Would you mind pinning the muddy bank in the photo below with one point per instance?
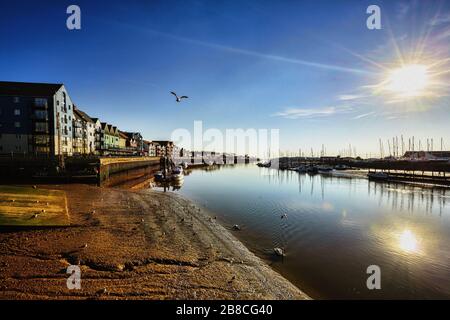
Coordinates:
(134, 245)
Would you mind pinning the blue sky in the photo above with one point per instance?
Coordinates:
(305, 67)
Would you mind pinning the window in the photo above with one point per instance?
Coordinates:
(40, 102)
(64, 102)
(41, 127)
(17, 112)
(40, 114)
(42, 149)
(41, 139)
(18, 136)
(17, 124)
(16, 100)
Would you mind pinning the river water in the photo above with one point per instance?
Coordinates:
(333, 228)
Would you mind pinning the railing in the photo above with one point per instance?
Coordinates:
(39, 105)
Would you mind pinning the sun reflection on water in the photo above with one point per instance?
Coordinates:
(408, 241)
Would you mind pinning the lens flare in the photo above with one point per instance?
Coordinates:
(408, 81)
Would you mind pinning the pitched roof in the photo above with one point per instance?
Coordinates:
(123, 135)
(29, 89)
(105, 126)
(82, 115)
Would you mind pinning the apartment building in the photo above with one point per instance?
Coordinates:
(35, 118)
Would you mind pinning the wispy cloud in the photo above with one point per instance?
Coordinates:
(440, 19)
(402, 9)
(347, 97)
(443, 34)
(240, 51)
(308, 113)
(364, 115)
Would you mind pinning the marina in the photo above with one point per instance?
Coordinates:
(333, 227)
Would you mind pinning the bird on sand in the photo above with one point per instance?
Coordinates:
(279, 252)
(178, 99)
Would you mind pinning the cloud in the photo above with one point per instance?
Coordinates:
(402, 9)
(308, 113)
(443, 35)
(440, 19)
(347, 97)
(364, 115)
(245, 52)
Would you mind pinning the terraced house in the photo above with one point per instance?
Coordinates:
(35, 118)
(109, 138)
(83, 133)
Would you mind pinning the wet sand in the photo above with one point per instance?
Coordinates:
(133, 244)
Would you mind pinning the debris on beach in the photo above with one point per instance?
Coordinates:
(102, 291)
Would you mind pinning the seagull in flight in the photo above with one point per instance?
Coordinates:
(178, 98)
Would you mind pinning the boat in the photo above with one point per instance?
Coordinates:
(378, 176)
(184, 165)
(301, 169)
(312, 169)
(264, 164)
(324, 169)
(159, 176)
(177, 173)
(341, 167)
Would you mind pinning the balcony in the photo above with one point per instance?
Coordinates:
(40, 130)
(40, 104)
(39, 118)
(41, 141)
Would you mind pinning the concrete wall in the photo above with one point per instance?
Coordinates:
(118, 171)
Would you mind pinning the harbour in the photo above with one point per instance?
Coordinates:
(332, 227)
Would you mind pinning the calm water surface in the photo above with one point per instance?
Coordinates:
(335, 228)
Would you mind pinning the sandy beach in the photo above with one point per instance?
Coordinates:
(134, 244)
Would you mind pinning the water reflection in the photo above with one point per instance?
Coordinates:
(335, 226)
(408, 241)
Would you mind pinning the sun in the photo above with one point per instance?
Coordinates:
(408, 81)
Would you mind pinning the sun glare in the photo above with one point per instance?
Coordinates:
(408, 81)
(408, 241)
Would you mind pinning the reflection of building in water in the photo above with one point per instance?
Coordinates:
(403, 197)
(398, 196)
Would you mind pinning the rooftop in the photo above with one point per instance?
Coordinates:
(29, 89)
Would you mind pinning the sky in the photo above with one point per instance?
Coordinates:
(311, 69)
